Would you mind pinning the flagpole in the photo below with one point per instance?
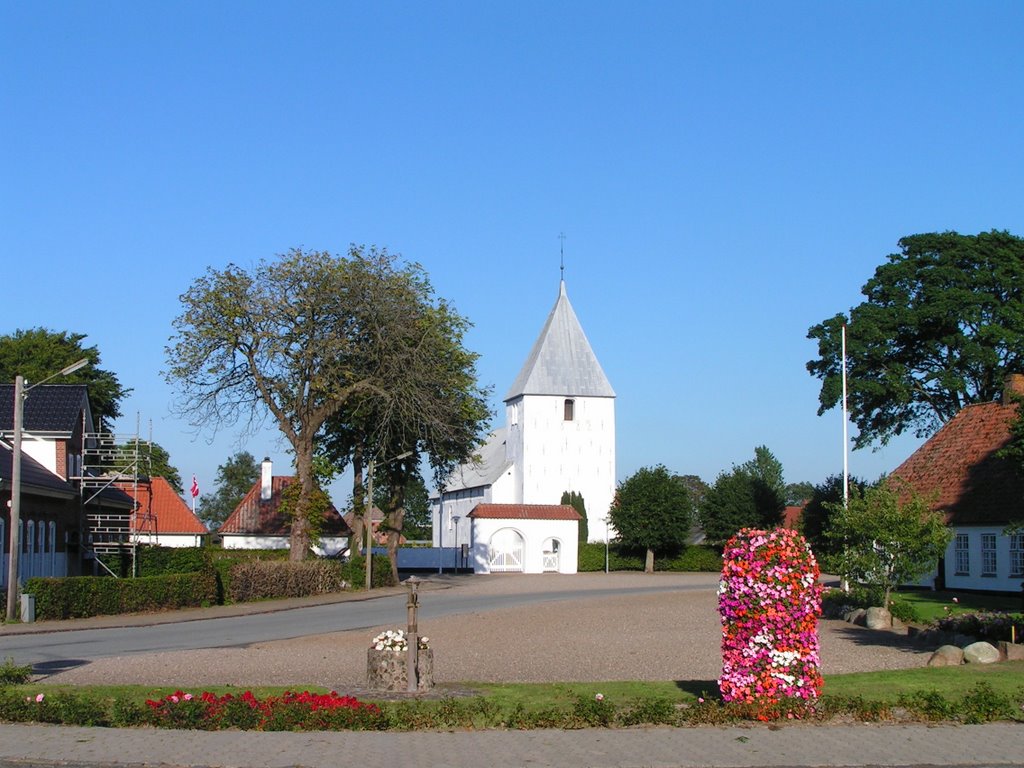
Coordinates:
(846, 439)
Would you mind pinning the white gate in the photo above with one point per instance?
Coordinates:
(551, 555)
(505, 552)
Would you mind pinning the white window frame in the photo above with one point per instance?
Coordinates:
(989, 561)
(962, 554)
(1016, 555)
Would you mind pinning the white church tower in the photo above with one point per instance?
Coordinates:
(503, 507)
(560, 416)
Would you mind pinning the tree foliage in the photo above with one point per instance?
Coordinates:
(652, 511)
(156, 462)
(575, 500)
(885, 542)
(752, 495)
(309, 336)
(235, 477)
(798, 493)
(818, 512)
(941, 327)
(38, 353)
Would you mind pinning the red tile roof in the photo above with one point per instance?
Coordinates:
(524, 512)
(792, 515)
(958, 465)
(160, 509)
(264, 518)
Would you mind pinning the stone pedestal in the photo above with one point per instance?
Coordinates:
(386, 670)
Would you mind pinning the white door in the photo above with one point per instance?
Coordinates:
(505, 552)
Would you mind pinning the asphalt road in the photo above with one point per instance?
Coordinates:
(58, 649)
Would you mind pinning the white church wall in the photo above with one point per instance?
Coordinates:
(577, 455)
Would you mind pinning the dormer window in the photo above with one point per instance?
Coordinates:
(570, 409)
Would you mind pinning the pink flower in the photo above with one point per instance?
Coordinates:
(39, 698)
(599, 697)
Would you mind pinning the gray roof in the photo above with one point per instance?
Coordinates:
(35, 478)
(50, 408)
(491, 463)
(561, 361)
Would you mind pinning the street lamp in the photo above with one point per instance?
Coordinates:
(20, 393)
(369, 513)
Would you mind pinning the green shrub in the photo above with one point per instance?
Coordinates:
(353, 571)
(160, 561)
(11, 674)
(81, 596)
(693, 558)
(263, 579)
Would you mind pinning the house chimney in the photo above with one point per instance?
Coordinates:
(266, 479)
(1013, 385)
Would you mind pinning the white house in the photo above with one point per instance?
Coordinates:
(559, 436)
(979, 493)
(258, 522)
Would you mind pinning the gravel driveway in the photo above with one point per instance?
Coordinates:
(670, 635)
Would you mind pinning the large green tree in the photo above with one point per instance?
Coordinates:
(235, 477)
(884, 541)
(752, 495)
(941, 327)
(38, 353)
(433, 411)
(300, 338)
(652, 511)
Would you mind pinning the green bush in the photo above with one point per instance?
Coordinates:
(263, 579)
(160, 561)
(354, 572)
(692, 558)
(80, 596)
(12, 674)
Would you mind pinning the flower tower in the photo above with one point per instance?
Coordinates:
(770, 601)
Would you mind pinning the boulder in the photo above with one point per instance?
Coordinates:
(947, 656)
(878, 618)
(856, 616)
(1011, 651)
(981, 653)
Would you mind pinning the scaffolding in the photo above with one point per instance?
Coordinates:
(122, 462)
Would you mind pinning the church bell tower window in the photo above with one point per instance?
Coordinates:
(570, 407)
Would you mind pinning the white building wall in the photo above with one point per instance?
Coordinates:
(1002, 581)
(43, 451)
(329, 545)
(536, 534)
(556, 455)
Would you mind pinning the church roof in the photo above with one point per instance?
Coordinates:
(561, 361)
(490, 464)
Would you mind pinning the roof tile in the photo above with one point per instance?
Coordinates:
(524, 512)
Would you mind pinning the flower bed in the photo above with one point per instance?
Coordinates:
(770, 601)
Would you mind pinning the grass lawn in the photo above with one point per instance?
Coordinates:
(951, 682)
(935, 605)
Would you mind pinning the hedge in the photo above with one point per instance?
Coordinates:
(80, 596)
(694, 558)
(264, 579)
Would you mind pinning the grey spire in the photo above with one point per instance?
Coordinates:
(561, 361)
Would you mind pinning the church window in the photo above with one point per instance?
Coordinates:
(570, 409)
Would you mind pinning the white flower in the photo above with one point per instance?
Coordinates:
(599, 697)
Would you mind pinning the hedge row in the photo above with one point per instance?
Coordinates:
(694, 558)
(80, 596)
(264, 579)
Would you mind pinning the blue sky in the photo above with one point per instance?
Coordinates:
(726, 175)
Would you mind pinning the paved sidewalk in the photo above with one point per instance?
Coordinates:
(791, 745)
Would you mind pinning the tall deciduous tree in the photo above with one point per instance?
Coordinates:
(652, 511)
(38, 353)
(234, 479)
(884, 541)
(752, 495)
(941, 327)
(301, 338)
(433, 409)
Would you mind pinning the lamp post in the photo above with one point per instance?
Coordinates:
(20, 393)
(369, 513)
